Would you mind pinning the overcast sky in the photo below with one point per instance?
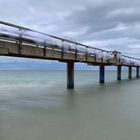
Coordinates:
(107, 24)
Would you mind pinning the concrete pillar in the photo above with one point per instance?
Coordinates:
(118, 72)
(102, 74)
(70, 74)
(137, 72)
(130, 72)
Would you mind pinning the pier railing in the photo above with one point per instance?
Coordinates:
(77, 51)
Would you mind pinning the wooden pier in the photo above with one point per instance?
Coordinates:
(17, 41)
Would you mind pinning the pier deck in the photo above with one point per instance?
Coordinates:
(18, 41)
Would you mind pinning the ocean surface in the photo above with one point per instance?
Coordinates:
(35, 105)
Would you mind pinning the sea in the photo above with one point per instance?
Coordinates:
(36, 105)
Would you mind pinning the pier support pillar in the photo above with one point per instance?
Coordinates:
(102, 74)
(137, 72)
(130, 72)
(70, 74)
(119, 72)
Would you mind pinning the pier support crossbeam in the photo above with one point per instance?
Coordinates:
(70, 74)
(130, 72)
(102, 74)
(137, 72)
(119, 72)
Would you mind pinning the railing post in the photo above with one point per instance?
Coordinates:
(20, 42)
(119, 72)
(102, 74)
(130, 72)
(137, 72)
(70, 74)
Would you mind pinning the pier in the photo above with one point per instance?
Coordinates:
(17, 41)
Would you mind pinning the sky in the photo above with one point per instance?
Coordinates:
(106, 24)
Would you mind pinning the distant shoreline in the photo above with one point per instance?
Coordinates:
(53, 70)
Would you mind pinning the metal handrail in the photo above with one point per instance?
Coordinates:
(52, 36)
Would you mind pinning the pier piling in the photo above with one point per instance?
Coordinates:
(102, 74)
(137, 72)
(70, 74)
(118, 72)
(130, 72)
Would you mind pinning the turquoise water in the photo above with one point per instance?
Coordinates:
(35, 105)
